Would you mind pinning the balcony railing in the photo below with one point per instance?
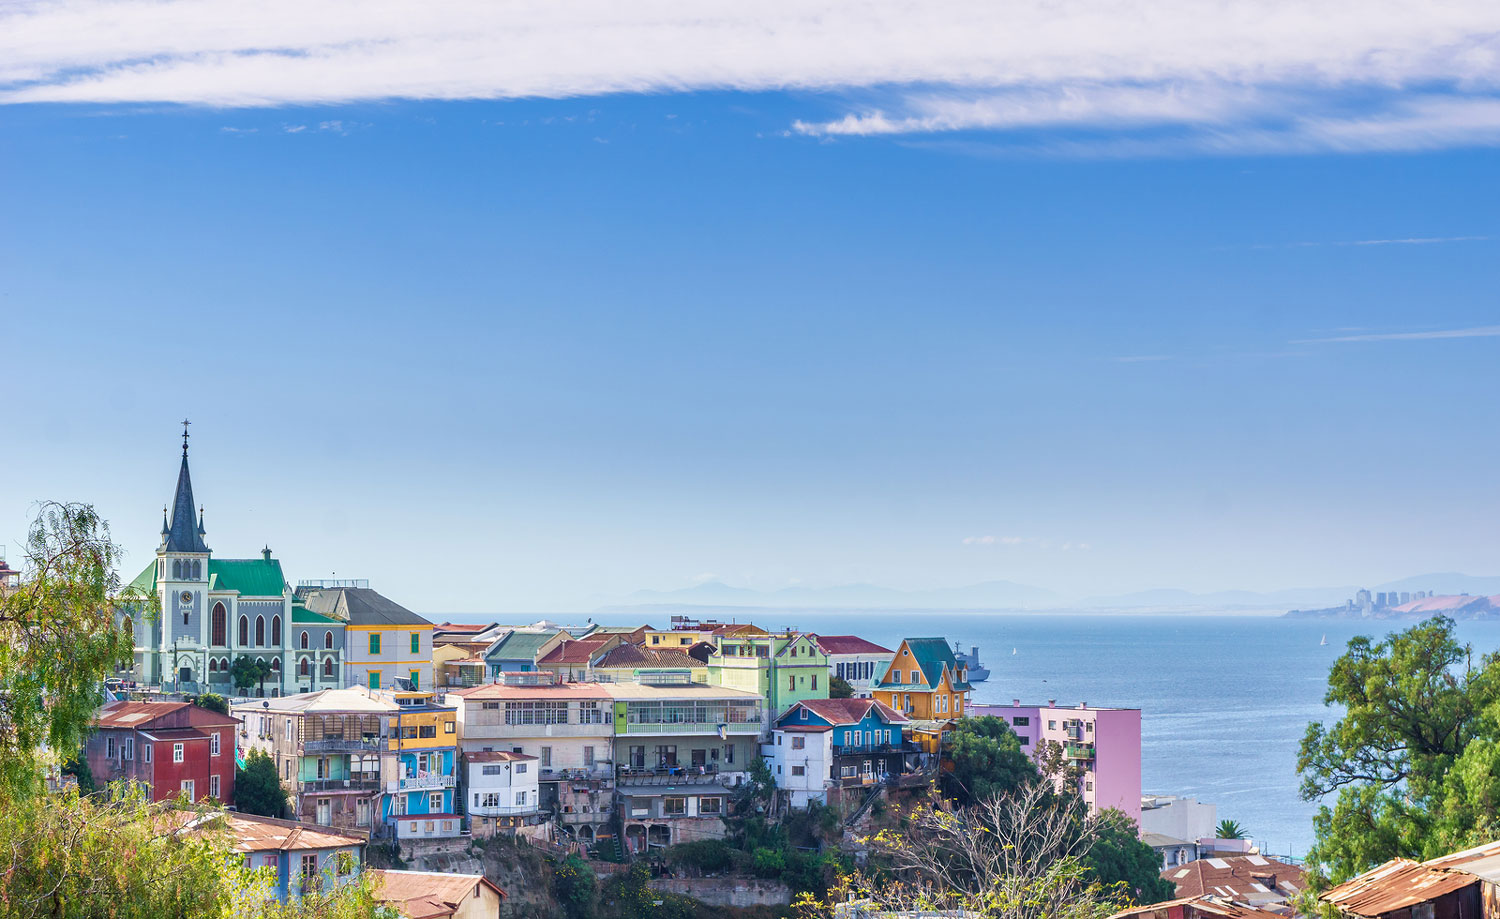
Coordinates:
(420, 781)
(603, 770)
(504, 810)
(342, 745)
(351, 784)
(691, 727)
(1079, 751)
(904, 746)
(670, 775)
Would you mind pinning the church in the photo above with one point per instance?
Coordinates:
(213, 611)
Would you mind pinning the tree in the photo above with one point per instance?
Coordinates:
(1119, 856)
(59, 635)
(213, 702)
(840, 688)
(249, 671)
(1411, 762)
(257, 787)
(1229, 829)
(987, 761)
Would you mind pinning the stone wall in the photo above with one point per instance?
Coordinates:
(739, 892)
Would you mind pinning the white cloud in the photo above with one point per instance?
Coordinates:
(1483, 331)
(979, 540)
(1226, 76)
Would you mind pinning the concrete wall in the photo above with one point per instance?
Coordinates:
(738, 892)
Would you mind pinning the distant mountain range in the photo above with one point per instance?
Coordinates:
(1009, 595)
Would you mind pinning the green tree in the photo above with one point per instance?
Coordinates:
(213, 702)
(257, 787)
(987, 760)
(1229, 829)
(60, 633)
(1407, 762)
(249, 671)
(574, 887)
(1117, 856)
(840, 688)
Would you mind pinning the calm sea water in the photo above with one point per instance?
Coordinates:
(1224, 699)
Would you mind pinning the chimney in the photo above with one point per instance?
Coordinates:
(1015, 703)
(266, 553)
(1051, 703)
(1082, 706)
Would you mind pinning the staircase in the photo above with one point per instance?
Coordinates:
(864, 806)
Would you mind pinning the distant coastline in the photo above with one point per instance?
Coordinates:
(1457, 606)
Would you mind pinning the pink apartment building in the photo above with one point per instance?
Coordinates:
(1105, 742)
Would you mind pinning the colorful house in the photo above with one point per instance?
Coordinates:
(298, 857)
(924, 681)
(822, 746)
(516, 650)
(626, 663)
(172, 748)
(383, 640)
(784, 669)
(423, 735)
(437, 895)
(857, 661)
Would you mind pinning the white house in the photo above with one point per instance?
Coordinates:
(500, 790)
(856, 660)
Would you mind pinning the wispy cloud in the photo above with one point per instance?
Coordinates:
(1403, 241)
(1092, 77)
(1483, 331)
(1142, 358)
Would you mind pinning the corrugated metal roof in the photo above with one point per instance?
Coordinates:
(1211, 905)
(1394, 885)
(1480, 861)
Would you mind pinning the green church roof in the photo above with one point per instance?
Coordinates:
(307, 617)
(252, 577)
(145, 582)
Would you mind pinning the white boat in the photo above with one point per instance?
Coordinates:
(978, 673)
(1324, 641)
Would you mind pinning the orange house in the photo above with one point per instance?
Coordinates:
(925, 681)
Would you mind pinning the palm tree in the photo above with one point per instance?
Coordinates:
(1229, 829)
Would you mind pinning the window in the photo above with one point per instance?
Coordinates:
(276, 631)
(799, 742)
(361, 812)
(374, 642)
(145, 753)
(799, 770)
(260, 630)
(846, 771)
(304, 641)
(213, 745)
(673, 807)
(414, 679)
(1020, 721)
(520, 768)
(176, 752)
(1091, 727)
(895, 676)
(343, 864)
(213, 786)
(914, 678)
(588, 756)
(302, 667)
(427, 730)
(109, 747)
(244, 631)
(449, 726)
(220, 625)
(328, 666)
(416, 643)
(656, 639)
(489, 799)
(189, 788)
(1052, 725)
(710, 806)
(435, 803)
(590, 713)
(1025, 741)
(374, 679)
(546, 757)
(815, 681)
(791, 681)
(328, 640)
(1088, 786)
(521, 798)
(309, 872)
(729, 753)
(291, 731)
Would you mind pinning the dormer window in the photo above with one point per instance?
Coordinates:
(804, 714)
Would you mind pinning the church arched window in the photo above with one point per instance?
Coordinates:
(176, 569)
(302, 668)
(197, 571)
(213, 665)
(244, 631)
(276, 664)
(303, 642)
(328, 639)
(328, 666)
(276, 631)
(220, 634)
(260, 631)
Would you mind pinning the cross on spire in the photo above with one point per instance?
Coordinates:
(185, 424)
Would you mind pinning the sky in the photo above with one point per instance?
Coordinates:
(525, 306)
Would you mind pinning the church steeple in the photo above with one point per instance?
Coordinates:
(184, 534)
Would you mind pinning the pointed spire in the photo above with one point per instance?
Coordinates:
(164, 529)
(182, 536)
(201, 531)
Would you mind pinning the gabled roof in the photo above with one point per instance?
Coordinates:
(1238, 877)
(519, 644)
(158, 715)
(792, 640)
(575, 651)
(848, 644)
(360, 606)
(427, 894)
(934, 657)
(323, 700)
(252, 833)
(636, 656)
(1397, 884)
(252, 577)
(145, 582)
(305, 616)
(1197, 906)
(846, 711)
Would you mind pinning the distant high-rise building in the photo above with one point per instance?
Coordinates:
(1405, 597)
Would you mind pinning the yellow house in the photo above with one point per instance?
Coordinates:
(383, 640)
(925, 681)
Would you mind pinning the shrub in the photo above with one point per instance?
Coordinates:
(705, 855)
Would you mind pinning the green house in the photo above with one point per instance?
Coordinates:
(784, 669)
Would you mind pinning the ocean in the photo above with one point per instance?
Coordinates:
(1224, 699)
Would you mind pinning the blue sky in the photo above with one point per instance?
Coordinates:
(534, 354)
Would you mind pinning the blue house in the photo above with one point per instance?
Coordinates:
(821, 746)
(297, 857)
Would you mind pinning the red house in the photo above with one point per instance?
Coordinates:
(172, 748)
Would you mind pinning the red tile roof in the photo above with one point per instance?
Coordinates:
(849, 644)
(427, 894)
(635, 656)
(461, 627)
(575, 651)
(850, 711)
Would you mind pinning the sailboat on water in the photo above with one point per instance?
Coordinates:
(1324, 641)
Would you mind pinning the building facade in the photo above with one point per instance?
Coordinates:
(856, 661)
(819, 748)
(172, 748)
(784, 669)
(924, 681)
(499, 790)
(383, 640)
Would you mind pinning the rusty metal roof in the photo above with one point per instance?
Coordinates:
(1397, 884)
(1480, 861)
(1213, 906)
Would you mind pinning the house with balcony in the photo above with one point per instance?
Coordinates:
(1101, 747)
(500, 791)
(331, 750)
(172, 748)
(572, 658)
(820, 748)
(784, 669)
(420, 792)
(567, 728)
(680, 750)
(383, 640)
(517, 649)
(856, 661)
(626, 663)
(924, 681)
